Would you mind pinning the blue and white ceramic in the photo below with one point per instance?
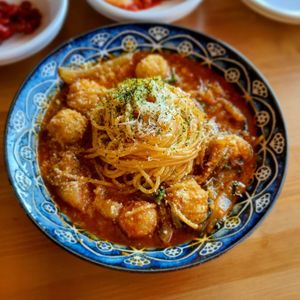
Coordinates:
(27, 110)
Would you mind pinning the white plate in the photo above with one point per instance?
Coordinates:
(287, 11)
(21, 46)
(166, 12)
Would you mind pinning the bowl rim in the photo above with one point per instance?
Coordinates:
(40, 40)
(265, 9)
(176, 268)
(120, 13)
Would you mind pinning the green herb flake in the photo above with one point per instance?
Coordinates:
(173, 78)
(159, 195)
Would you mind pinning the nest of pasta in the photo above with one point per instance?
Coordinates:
(147, 132)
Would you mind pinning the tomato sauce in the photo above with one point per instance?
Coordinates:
(190, 73)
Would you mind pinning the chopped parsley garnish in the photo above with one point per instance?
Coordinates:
(227, 166)
(173, 78)
(159, 195)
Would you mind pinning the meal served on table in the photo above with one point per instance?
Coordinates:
(134, 4)
(147, 149)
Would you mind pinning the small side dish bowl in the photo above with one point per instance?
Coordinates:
(21, 46)
(166, 12)
(30, 104)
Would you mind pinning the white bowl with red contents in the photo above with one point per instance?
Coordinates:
(167, 11)
(20, 46)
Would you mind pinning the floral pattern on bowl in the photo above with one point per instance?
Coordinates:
(23, 126)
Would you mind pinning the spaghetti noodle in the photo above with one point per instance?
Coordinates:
(148, 131)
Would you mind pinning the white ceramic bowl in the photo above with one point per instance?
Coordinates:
(21, 46)
(166, 12)
(287, 11)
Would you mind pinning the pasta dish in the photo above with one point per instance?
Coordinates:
(146, 149)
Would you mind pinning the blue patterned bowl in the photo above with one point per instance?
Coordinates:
(23, 125)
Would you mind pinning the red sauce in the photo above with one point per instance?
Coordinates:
(190, 72)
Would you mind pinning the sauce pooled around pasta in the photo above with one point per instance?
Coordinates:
(147, 150)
